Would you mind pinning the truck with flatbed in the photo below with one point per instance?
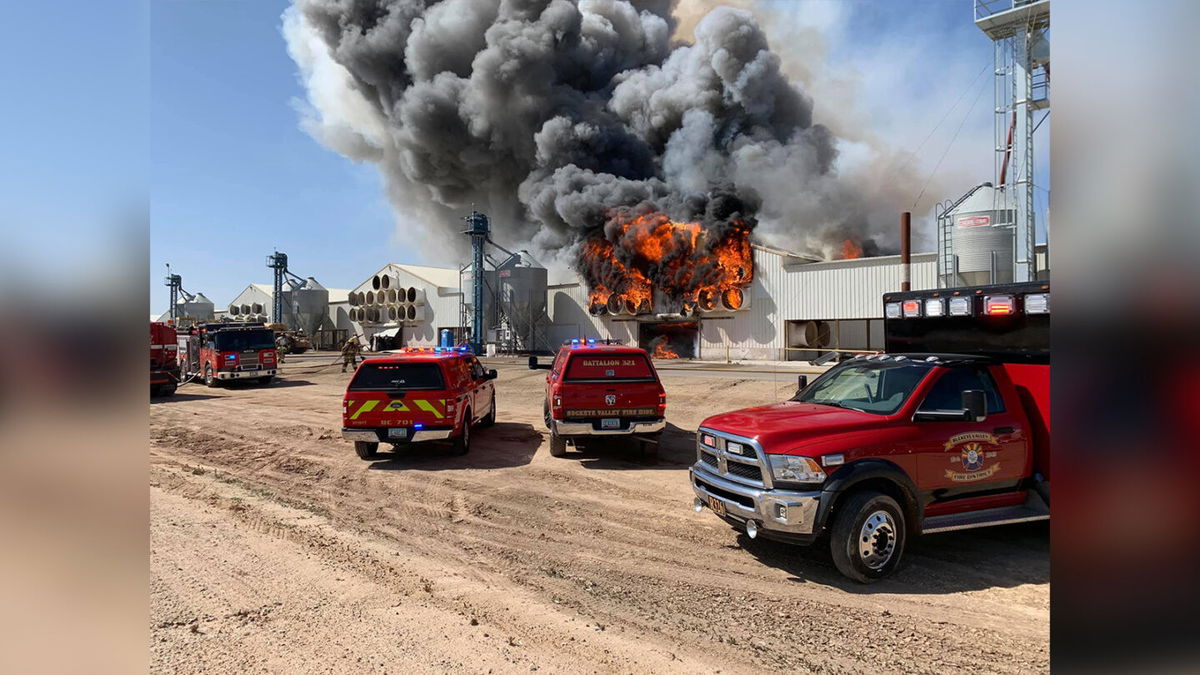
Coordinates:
(948, 429)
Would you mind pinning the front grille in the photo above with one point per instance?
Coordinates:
(745, 471)
(729, 465)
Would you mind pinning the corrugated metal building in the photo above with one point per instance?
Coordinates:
(795, 309)
(430, 303)
(794, 305)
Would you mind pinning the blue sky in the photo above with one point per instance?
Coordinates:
(232, 176)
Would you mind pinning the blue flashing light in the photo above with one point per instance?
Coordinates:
(230, 357)
(418, 426)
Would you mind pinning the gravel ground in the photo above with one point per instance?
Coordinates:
(274, 548)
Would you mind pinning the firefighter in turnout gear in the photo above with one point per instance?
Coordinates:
(350, 352)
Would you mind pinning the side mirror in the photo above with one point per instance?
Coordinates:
(974, 402)
(491, 374)
(801, 383)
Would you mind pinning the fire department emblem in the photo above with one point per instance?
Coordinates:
(972, 457)
(610, 399)
(977, 448)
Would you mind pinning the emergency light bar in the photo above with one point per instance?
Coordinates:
(892, 310)
(935, 307)
(912, 308)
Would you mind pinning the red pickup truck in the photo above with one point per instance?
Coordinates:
(946, 431)
(602, 389)
(418, 395)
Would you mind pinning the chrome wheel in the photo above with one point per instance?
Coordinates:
(877, 540)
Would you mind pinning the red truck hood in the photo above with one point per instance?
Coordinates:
(781, 425)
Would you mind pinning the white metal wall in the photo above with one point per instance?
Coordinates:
(786, 289)
(440, 310)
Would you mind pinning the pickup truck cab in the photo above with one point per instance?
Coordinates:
(418, 395)
(601, 389)
(884, 447)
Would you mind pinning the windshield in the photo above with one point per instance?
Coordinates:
(242, 340)
(877, 387)
(609, 368)
(397, 376)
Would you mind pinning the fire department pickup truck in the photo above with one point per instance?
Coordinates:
(416, 395)
(946, 431)
(602, 389)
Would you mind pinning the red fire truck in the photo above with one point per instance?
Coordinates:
(220, 352)
(947, 430)
(164, 364)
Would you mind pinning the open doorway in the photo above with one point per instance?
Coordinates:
(670, 340)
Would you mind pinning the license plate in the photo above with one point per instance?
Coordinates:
(398, 432)
(716, 505)
(610, 423)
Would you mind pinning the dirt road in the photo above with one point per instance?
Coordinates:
(275, 548)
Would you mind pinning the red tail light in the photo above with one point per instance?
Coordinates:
(556, 410)
(998, 305)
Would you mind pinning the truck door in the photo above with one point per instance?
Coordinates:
(482, 398)
(958, 458)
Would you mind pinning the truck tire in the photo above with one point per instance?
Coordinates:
(167, 389)
(558, 445)
(868, 536)
(366, 449)
(209, 379)
(461, 444)
(490, 418)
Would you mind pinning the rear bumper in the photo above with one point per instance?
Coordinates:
(798, 524)
(243, 374)
(380, 435)
(563, 428)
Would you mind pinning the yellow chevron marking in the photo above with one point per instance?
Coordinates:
(428, 407)
(366, 407)
(395, 405)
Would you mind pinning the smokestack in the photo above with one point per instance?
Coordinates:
(906, 251)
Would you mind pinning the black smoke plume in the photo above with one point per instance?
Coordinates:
(555, 115)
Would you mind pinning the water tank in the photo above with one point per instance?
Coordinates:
(982, 232)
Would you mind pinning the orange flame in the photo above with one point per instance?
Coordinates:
(681, 260)
(662, 351)
(851, 249)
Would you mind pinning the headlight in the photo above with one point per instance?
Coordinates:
(796, 469)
